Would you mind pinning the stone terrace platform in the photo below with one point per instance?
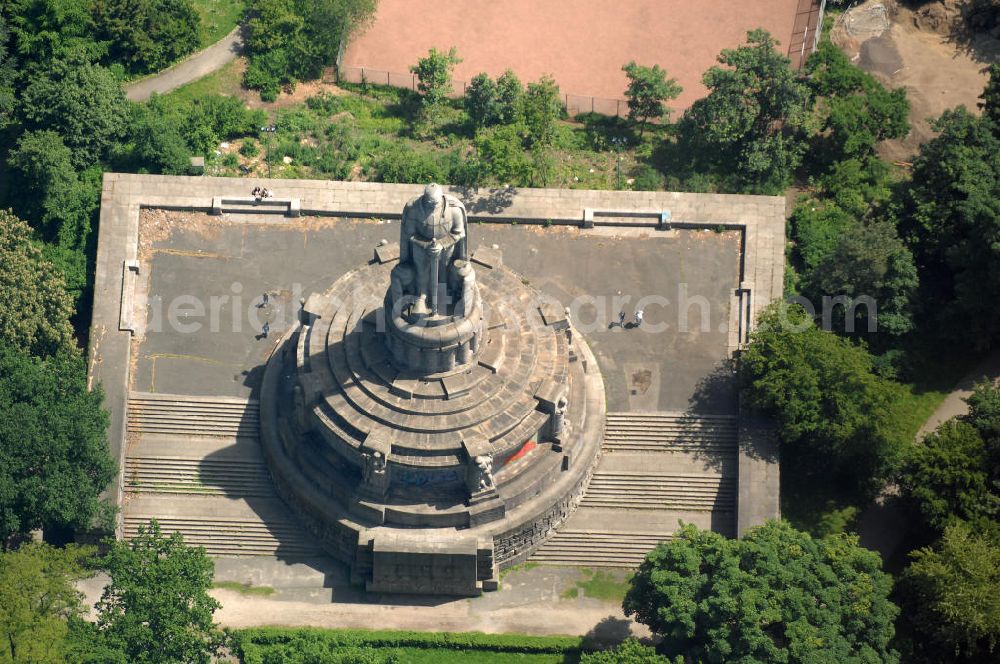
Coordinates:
(183, 405)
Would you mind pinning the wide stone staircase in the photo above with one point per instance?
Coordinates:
(195, 465)
(656, 469)
(196, 416)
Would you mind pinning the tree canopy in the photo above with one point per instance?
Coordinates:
(821, 389)
(869, 262)
(752, 123)
(434, 76)
(54, 460)
(775, 596)
(147, 35)
(37, 584)
(648, 90)
(953, 595)
(156, 608)
(82, 102)
(950, 216)
(947, 476)
(542, 108)
(34, 306)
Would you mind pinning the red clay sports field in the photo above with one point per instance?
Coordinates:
(581, 43)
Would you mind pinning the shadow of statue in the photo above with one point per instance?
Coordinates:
(496, 201)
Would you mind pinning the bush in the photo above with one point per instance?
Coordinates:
(257, 645)
(501, 155)
(648, 178)
(215, 118)
(249, 148)
(400, 163)
(481, 100)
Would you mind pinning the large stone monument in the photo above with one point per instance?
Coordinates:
(432, 418)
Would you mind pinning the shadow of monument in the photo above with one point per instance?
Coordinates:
(496, 201)
(716, 393)
(226, 471)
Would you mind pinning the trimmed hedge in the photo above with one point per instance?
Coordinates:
(251, 645)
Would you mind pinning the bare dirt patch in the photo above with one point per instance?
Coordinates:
(298, 95)
(940, 66)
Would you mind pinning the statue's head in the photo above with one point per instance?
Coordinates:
(432, 194)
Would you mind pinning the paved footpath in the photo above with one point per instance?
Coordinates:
(954, 404)
(200, 64)
(312, 593)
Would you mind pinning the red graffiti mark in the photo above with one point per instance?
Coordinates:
(521, 453)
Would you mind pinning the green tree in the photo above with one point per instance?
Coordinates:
(156, 607)
(776, 595)
(60, 206)
(858, 122)
(34, 306)
(37, 584)
(501, 155)
(542, 106)
(822, 391)
(868, 264)
(214, 118)
(327, 26)
(946, 476)
(83, 103)
(752, 123)
(147, 35)
(950, 216)
(45, 31)
(831, 74)
(54, 459)
(157, 138)
(952, 595)
(816, 227)
(510, 94)
(296, 39)
(984, 414)
(648, 90)
(991, 96)
(481, 100)
(434, 76)
(8, 73)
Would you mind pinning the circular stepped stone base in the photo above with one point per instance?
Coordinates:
(332, 395)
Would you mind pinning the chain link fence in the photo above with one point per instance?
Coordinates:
(574, 104)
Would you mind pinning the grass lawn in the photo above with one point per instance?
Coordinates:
(920, 397)
(218, 17)
(245, 588)
(609, 585)
(226, 81)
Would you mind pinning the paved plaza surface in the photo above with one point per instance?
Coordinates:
(177, 343)
(583, 45)
(205, 264)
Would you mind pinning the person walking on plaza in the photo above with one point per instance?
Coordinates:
(621, 319)
(265, 329)
(638, 317)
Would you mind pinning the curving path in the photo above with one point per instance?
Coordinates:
(954, 404)
(200, 64)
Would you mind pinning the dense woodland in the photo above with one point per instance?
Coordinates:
(847, 393)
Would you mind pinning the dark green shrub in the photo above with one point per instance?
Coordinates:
(648, 178)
